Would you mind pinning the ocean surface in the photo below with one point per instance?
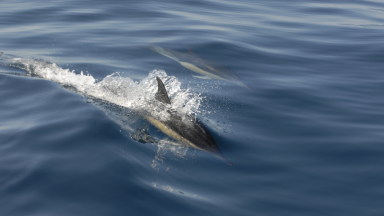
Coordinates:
(307, 138)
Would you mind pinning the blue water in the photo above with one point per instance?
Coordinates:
(308, 139)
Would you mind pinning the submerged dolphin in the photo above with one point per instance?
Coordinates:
(184, 128)
(194, 63)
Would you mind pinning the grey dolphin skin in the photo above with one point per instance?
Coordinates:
(184, 128)
(209, 69)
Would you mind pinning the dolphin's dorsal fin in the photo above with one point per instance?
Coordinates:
(191, 52)
(162, 95)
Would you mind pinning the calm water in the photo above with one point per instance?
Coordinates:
(306, 140)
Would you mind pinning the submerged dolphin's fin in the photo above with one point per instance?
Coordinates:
(203, 77)
(142, 136)
(162, 95)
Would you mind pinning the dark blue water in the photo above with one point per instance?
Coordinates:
(308, 139)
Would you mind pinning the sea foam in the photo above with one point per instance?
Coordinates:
(116, 89)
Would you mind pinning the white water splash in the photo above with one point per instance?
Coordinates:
(122, 91)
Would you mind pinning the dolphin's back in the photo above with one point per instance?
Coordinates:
(185, 128)
(165, 52)
(193, 131)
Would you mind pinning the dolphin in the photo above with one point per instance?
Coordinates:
(184, 128)
(209, 69)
